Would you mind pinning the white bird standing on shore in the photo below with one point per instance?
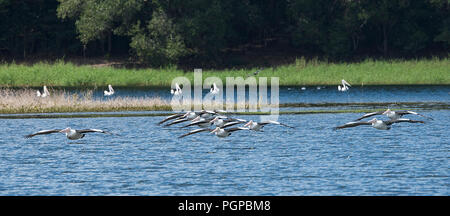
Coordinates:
(45, 93)
(71, 134)
(214, 90)
(176, 91)
(345, 86)
(110, 92)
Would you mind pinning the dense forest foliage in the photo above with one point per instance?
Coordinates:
(161, 32)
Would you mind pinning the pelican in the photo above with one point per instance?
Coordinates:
(224, 121)
(378, 124)
(257, 126)
(255, 73)
(44, 93)
(393, 115)
(71, 134)
(220, 132)
(201, 122)
(190, 116)
(214, 89)
(109, 92)
(345, 86)
(303, 88)
(176, 91)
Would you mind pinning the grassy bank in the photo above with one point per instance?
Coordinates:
(302, 72)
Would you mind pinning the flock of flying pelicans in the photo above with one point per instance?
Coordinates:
(216, 123)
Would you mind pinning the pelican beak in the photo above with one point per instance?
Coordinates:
(248, 123)
(215, 119)
(196, 118)
(213, 131)
(386, 112)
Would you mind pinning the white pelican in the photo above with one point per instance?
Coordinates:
(190, 116)
(220, 132)
(176, 91)
(303, 88)
(378, 124)
(44, 93)
(109, 92)
(345, 86)
(214, 90)
(393, 115)
(71, 134)
(201, 122)
(224, 121)
(257, 126)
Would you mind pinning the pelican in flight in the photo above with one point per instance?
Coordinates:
(71, 134)
(345, 86)
(214, 90)
(44, 93)
(176, 91)
(257, 126)
(109, 92)
(378, 124)
(224, 121)
(393, 115)
(190, 116)
(220, 132)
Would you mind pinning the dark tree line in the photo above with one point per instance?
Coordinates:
(161, 32)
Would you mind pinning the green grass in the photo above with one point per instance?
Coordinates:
(369, 72)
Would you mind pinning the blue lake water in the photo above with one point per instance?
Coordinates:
(314, 94)
(143, 158)
(146, 159)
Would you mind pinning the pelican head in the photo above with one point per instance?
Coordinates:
(249, 123)
(373, 120)
(214, 119)
(67, 130)
(387, 111)
(215, 130)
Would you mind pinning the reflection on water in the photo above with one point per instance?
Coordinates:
(146, 159)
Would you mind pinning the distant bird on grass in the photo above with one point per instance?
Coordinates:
(44, 94)
(109, 92)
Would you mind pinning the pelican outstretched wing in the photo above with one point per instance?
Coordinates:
(370, 114)
(352, 124)
(389, 122)
(195, 131)
(42, 132)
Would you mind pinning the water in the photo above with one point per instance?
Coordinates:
(326, 94)
(146, 159)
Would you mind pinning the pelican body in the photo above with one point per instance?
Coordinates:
(109, 92)
(71, 134)
(257, 126)
(177, 90)
(345, 86)
(44, 93)
(377, 124)
(393, 115)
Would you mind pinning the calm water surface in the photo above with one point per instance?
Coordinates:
(146, 159)
(314, 94)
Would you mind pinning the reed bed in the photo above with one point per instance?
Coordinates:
(26, 101)
(60, 101)
(302, 72)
